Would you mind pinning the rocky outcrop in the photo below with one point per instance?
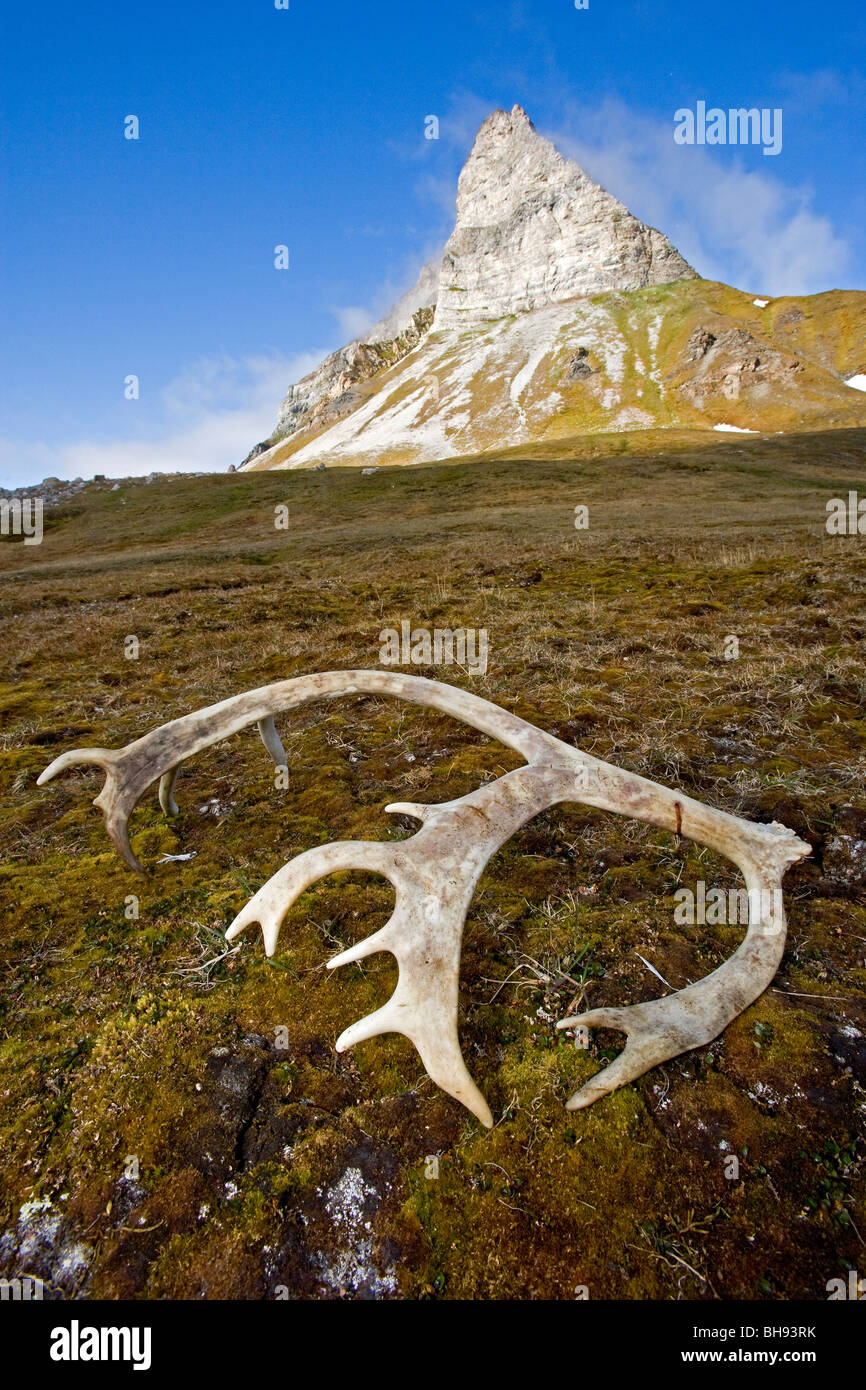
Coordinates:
(721, 360)
(558, 314)
(533, 229)
(331, 391)
(56, 492)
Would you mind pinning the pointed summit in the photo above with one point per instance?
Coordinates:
(534, 229)
(529, 344)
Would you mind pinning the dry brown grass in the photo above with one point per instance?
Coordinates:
(110, 1029)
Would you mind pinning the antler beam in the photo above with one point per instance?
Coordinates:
(436, 871)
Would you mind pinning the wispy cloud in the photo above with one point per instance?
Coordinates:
(210, 416)
(745, 227)
(354, 321)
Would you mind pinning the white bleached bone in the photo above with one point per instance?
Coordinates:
(270, 738)
(436, 870)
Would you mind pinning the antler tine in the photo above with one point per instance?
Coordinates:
(77, 757)
(694, 1016)
(432, 1031)
(110, 801)
(157, 756)
(270, 738)
(166, 792)
(434, 873)
(272, 902)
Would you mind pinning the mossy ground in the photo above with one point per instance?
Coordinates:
(145, 1098)
(653, 383)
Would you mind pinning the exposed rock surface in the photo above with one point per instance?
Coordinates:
(725, 360)
(557, 313)
(533, 229)
(326, 393)
(329, 392)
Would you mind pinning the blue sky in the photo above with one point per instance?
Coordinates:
(305, 127)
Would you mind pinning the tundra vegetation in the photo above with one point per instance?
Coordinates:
(175, 1121)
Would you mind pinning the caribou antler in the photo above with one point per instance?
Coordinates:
(435, 872)
(130, 771)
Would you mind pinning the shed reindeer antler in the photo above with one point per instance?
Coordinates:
(436, 870)
(129, 771)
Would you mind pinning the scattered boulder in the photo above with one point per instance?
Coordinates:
(57, 492)
(578, 367)
(844, 862)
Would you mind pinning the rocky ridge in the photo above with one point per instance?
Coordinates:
(558, 313)
(533, 229)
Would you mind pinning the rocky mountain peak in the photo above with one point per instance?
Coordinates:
(534, 229)
(533, 234)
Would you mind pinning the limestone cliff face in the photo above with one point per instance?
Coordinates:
(553, 313)
(328, 392)
(331, 391)
(533, 229)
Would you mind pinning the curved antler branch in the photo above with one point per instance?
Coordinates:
(691, 1017)
(435, 872)
(158, 755)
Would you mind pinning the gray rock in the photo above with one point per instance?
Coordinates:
(331, 391)
(578, 368)
(844, 861)
(55, 492)
(533, 229)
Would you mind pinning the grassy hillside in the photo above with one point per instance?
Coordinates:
(158, 1142)
(684, 356)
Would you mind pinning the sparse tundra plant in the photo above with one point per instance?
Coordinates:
(466, 647)
(436, 871)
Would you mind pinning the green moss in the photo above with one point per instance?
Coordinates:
(124, 1036)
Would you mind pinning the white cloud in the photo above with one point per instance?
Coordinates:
(354, 321)
(745, 227)
(210, 415)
